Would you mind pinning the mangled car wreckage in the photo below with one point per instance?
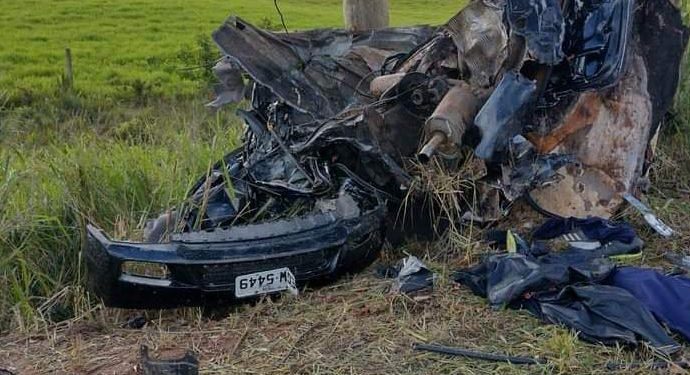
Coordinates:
(559, 101)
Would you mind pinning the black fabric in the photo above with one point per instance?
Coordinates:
(504, 278)
(564, 288)
(602, 313)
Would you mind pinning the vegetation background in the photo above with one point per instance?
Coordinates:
(132, 133)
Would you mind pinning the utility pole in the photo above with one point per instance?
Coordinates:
(361, 15)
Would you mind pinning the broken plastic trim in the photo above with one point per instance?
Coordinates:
(499, 117)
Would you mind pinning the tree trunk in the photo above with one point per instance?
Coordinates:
(363, 15)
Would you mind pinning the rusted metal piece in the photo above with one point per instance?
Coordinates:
(613, 131)
(429, 149)
(577, 119)
(455, 113)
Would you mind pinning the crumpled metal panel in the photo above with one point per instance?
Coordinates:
(320, 72)
(473, 43)
(482, 41)
(540, 22)
(275, 64)
(231, 87)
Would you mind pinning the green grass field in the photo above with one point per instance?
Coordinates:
(156, 48)
(131, 137)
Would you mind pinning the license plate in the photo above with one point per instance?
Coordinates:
(265, 282)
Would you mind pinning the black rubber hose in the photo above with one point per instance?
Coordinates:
(478, 355)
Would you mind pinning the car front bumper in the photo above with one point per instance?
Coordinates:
(202, 266)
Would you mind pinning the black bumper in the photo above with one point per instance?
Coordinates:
(202, 266)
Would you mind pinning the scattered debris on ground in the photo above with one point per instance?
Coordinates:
(411, 276)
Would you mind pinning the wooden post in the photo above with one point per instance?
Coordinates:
(68, 80)
(361, 15)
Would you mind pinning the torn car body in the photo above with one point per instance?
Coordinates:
(261, 208)
(554, 99)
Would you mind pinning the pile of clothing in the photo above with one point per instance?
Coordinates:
(582, 288)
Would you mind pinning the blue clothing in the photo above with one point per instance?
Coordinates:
(667, 297)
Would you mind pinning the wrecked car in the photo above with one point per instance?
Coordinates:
(559, 102)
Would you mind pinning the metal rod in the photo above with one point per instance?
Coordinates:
(478, 355)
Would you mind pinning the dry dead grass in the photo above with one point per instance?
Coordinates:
(352, 327)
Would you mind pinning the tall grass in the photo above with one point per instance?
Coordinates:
(48, 192)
